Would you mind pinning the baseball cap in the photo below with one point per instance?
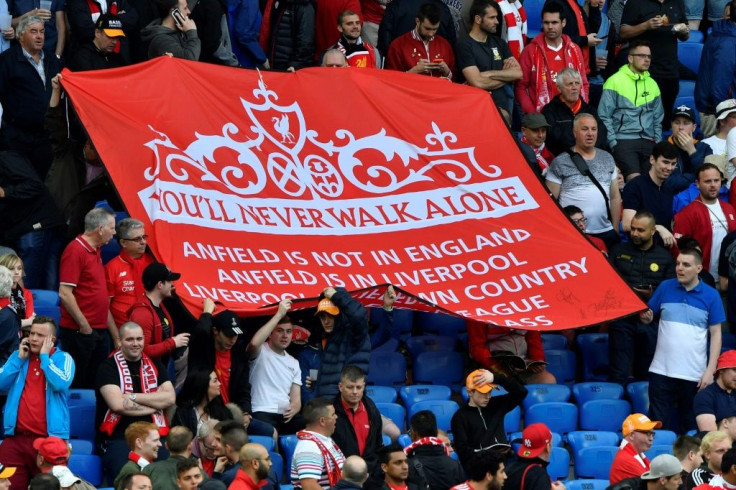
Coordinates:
(52, 449)
(328, 307)
(65, 476)
(534, 439)
(664, 465)
(157, 272)
(299, 335)
(6, 471)
(726, 360)
(534, 121)
(639, 421)
(111, 25)
(228, 323)
(725, 108)
(470, 384)
(684, 111)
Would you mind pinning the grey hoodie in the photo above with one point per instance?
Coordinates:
(161, 40)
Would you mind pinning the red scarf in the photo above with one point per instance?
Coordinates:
(334, 473)
(582, 32)
(542, 154)
(149, 384)
(543, 79)
(426, 441)
(95, 10)
(136, 458)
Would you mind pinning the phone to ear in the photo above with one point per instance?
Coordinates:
(178, 17)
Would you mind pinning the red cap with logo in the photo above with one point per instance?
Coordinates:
(534, 440)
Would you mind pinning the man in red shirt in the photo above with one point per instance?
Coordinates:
(255, 464)
(84, 300)
(421, 50)
(125, 271)
(543, 58)
(630, 461)
(358, 52)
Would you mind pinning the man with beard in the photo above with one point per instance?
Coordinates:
(563, 108)
(395, 469)
(484, 59)
(255, 464)
(717, 401)
(596, 193)
(486, 471)
(643, 265)
(359, 53)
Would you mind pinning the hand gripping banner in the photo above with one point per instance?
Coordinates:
(262, 186)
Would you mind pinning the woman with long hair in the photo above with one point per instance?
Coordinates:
(199, 400)
(20, 298)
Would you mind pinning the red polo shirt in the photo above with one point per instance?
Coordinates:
(81, 268)
(361, 423)
(32, 406)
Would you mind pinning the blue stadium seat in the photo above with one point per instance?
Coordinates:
(606, 415)
(284, 486)
(288, 444)
(695, 37)
(581, 484)
(580, 439)
(394, 411)
(595, 462)
(404, 440)
(87, 466)
(391, 345)
(440, 324)
(386, 439)
(560, 417)
(79, 397)
(533, 10)
(689, 55)
(82, 446)
(428, 343)
(540, 393)
(387, 369)
(45, 297)
(594, 351)
(53, 312)
(381, 394)
(658, 449)
(442, 409)
(82, 422)
(638, 392)
(264, 441)
(403, 320)
(417, 393)
(596, 390)
(562, 363)
(664, 437)
(687, 88)
(439, 368)
(278, 463)
(559, 464)
(512, 420)
(553, 341)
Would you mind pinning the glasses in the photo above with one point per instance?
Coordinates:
(649, 433)
(580, 220)
(647, 56)
(138, 239)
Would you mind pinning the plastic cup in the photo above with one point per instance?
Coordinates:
(313, 373)
(45, 4)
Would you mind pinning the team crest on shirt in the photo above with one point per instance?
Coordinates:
(496, 54)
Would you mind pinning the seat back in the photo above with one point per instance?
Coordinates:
(580, 439)
(87, 466)
(595, 462)
(288, 444)
(394, 411)
(689, 55)
(560, 417)
(594, 351)
(606, 415)
(386, 369)
(638, 392)
(381, 394)
(512, 420)
(562, 364)
(658, 449)
(417, 393)
(559, 464)
(581, 484)
(439, 368)
(443, 410)
(554, 341)
(596, 390)
(540, 393)
(440, 323)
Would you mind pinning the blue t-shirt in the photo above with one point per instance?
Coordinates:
(716, 401)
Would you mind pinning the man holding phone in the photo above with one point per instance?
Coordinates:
(36, 378)
(174, 34)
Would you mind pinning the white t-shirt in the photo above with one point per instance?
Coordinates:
(718, 146)
(731, 144)
(271, 377)
(720, 230)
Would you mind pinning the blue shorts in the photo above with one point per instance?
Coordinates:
(694, 9)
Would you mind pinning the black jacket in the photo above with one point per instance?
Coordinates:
(532, 470)
(291, 42)
(642, 267)
(476, 428)
(440, 471)
(346, 439)
(560, 118)
(83, 27)
(88, 57)
(635, 483)
(202, 356)
(399, 18)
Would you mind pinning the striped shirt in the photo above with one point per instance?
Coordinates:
(308, 461)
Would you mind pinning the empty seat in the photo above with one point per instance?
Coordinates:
(82, 446)
(558, 416)
(387, 369)
(689, 55)
(559, 464)
(595, 462)
(278, 463)
(596, 390)
(403, 321)
(580, 439)
(687, 88)
(394, 411)
(638, 392)
(562, 364)
(440, 323)
(82, 422)
(658, 449)
(606, 415)
(264, 441)
(540, 393)
(581, 484)
(512, 420)
(381, 394)
(664, 437)
(87, 466)
(391, 345)
(288, 444)
(695, 37)
(594, 351)
(79, 397)
(554, 341)
(443, 410)
(439, 368)
(45, 297)
(533, 10)
(417, 393)
(428, 343)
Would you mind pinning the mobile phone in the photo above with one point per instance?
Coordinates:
(178, 17)
(438, 60)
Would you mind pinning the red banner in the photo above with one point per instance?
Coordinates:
(261, 186)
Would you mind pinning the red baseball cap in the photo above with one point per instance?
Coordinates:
(726, 360)
(52, 449)
(534, 439)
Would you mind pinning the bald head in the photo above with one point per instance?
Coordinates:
(355, 470)
(251, 451)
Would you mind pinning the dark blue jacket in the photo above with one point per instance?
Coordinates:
(717, 74)
(244, 19)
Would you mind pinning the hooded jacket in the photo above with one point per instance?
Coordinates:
(161, 40)
(631, 107)
(717, 74)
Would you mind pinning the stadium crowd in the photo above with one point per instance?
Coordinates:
(633, 138)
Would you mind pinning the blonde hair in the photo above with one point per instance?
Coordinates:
(711, 438)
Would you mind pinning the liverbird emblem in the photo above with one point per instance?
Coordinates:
(281, 126)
